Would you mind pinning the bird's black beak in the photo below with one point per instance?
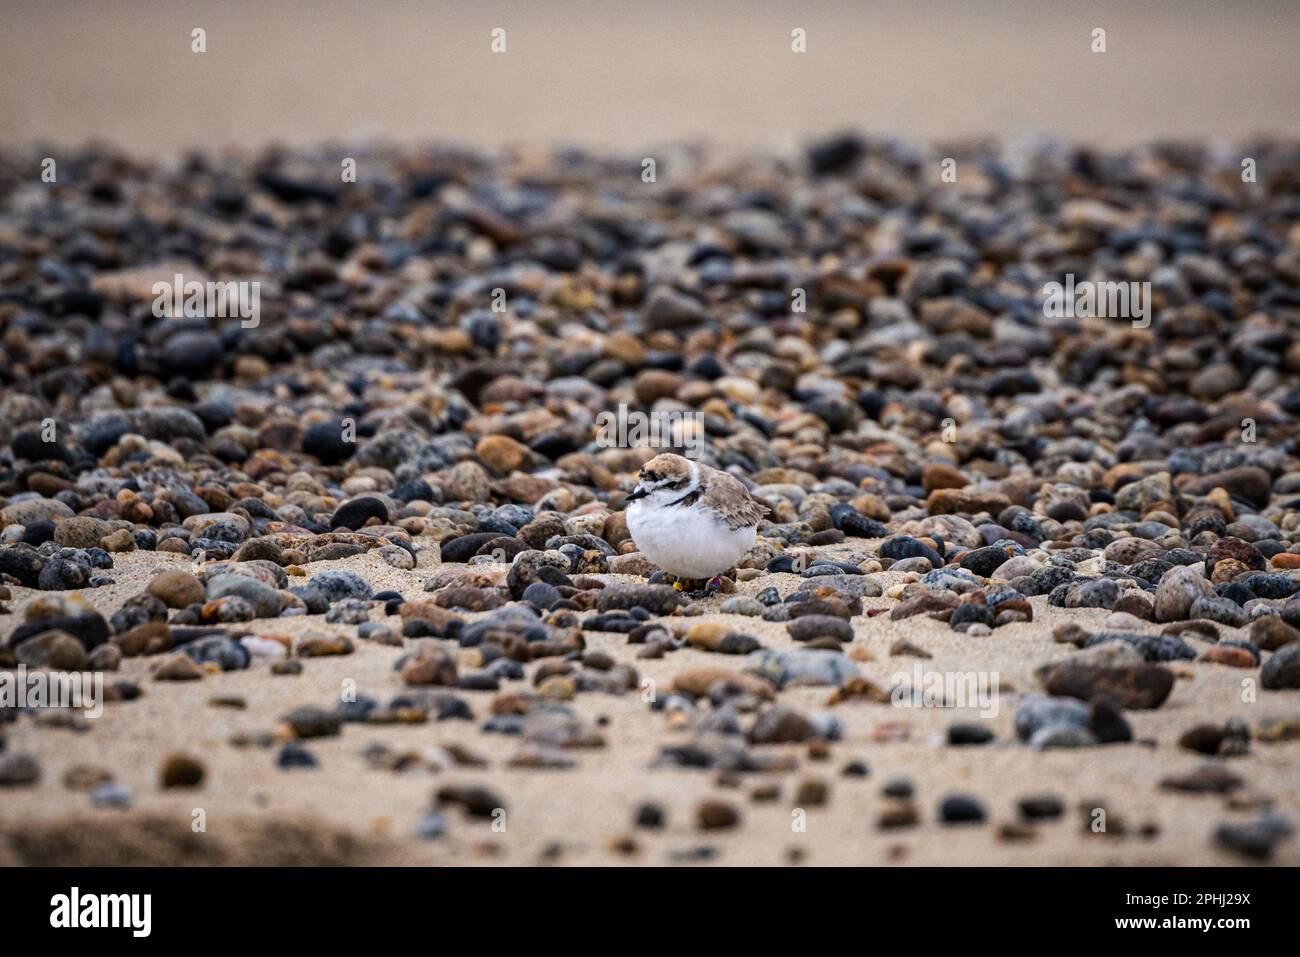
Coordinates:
(637, 493)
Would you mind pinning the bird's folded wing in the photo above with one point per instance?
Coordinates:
(726, 496)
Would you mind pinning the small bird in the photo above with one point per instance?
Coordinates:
(691, 520)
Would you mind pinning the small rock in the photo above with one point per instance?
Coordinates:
(181, 771)
(312, 722)
(1253, 839)
(961, 809)
(357, 512)
(112, 796)
(1207, 779)
(650, 816)
(1132, 686)
(714, 815)
(1270, 633)
(968, 734)
(1178, 590)
(1282, 669)
(656, 599)
(178, 667)
(1040, 807)
(18, 770)
(177, 589)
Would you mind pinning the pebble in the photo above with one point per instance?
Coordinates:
(262, 598)
(961, 809)
(1039, 712)
(431, 826)
(1178, 590)
(898, 788)
(181, 771)
(357, 512)
(112, 796)
(476, 800)
(1131, 685)
(177, 589)
(813, 627)
(177, 667)
(898, 814)
(19, 770)
(650, 815)
(656, 599)
(782, 725)
(812, 792)
(1212, 739)
(1255, 840)
(1040, 807)
(1270, 633)
(1207, 779)
(803, 666)
(55, 650)
(969, 734)
(718, 637)
(714, 815)
(309, 721)
(742, 605)
(1152, 647)
(1282, 669)
(294, 755)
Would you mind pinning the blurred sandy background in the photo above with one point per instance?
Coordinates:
(625, 74)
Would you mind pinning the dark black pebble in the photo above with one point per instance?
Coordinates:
(1253, 839)
(961, 809)
(91, 630)
(294, 755)
(967, 734)
(465, 547)
(356, 513)
(983, 561)
(650, 816)
(897, 788)
(902, 546)
(1041, 807)
(326, 441)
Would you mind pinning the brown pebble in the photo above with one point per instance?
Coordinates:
(234, 702)
(85, 777)
(1271, 633)
(765, 793)
(181, 771)
(178, 667)
(1207, 779)
(714, 815)
(813, 792)
(898, 814)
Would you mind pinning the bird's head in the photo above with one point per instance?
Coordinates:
(664, 479)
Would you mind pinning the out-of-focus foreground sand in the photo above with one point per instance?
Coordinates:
(585, 808)
(633, 75)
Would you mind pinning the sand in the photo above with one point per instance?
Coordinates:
(582, 810)
(629, 76)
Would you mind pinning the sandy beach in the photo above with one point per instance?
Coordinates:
(586, 809)
(435, 248)
(626, 76)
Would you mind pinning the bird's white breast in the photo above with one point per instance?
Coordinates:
(687, 542)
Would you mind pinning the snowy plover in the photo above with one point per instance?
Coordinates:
(691, 520)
